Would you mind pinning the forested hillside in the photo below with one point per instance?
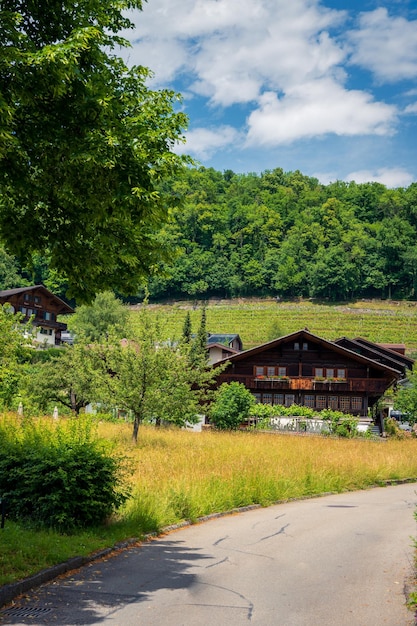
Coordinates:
(280, 234)
(286, 234)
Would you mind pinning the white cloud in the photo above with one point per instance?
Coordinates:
(317, 108)
(202, 143)
(394, 177)
(285, 60)
(232, 49)
(411, 108)
(385, 45)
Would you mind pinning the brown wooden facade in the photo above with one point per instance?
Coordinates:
(38, 303)
(305, 369)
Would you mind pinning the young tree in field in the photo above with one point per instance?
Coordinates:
(105, 316)
(150, 382)
(154, 380)
(232, 404)
(72, 378)
(84, 145)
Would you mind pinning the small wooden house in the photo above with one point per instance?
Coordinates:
(39, 303)
(221, 346)
(302, 368)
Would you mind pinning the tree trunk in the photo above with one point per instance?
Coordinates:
(136, 423)
(74, 405)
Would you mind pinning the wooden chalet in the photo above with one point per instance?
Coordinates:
(302, 368)
(39, 303)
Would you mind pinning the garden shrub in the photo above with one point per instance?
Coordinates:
(58, 475)
(231, 406)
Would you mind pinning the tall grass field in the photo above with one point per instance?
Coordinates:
(178, 475)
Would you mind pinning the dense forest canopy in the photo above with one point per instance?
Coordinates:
(284, 234)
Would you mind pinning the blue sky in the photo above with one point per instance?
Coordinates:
(326, 87)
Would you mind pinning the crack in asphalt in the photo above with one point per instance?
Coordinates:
(250, 607)
(281, 531)
(216, 543)
(218, 562)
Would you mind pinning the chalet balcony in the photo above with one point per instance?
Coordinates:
(271, 383)
(353, 385)
(329, 385)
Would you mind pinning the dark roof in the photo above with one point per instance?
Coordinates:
(6, 293)
(224, 339)
(377, 352)
(306, 334)
(389, 351)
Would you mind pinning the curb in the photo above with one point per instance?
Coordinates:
(9, 592)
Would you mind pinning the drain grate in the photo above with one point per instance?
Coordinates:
(26, 611)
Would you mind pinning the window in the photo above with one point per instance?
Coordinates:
(305, 346)
(356, 404)
(270, 371)
(289, 399)
(296, 346)
(321, 402)
(37, 300)
(259, 370)
(257, 397)
(27, 297)
(330, 372)
(279, 398)
(344, 403)
(282, 371)
(309, 401)
(267, 398)
(333, 403)
(45, 331)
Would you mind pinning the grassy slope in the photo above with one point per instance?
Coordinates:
(257, 321)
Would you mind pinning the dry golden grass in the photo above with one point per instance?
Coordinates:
(183, 475)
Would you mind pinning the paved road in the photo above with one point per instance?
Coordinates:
(338, 560)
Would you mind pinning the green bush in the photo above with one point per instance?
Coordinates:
(341, 424)
(231, 406)
(58, 475)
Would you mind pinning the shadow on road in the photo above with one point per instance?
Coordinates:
(91, 594)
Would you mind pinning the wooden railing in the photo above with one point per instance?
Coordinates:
(374, 385)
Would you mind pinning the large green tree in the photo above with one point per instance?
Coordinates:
(84, 144)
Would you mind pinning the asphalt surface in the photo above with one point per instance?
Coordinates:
(339, 560)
